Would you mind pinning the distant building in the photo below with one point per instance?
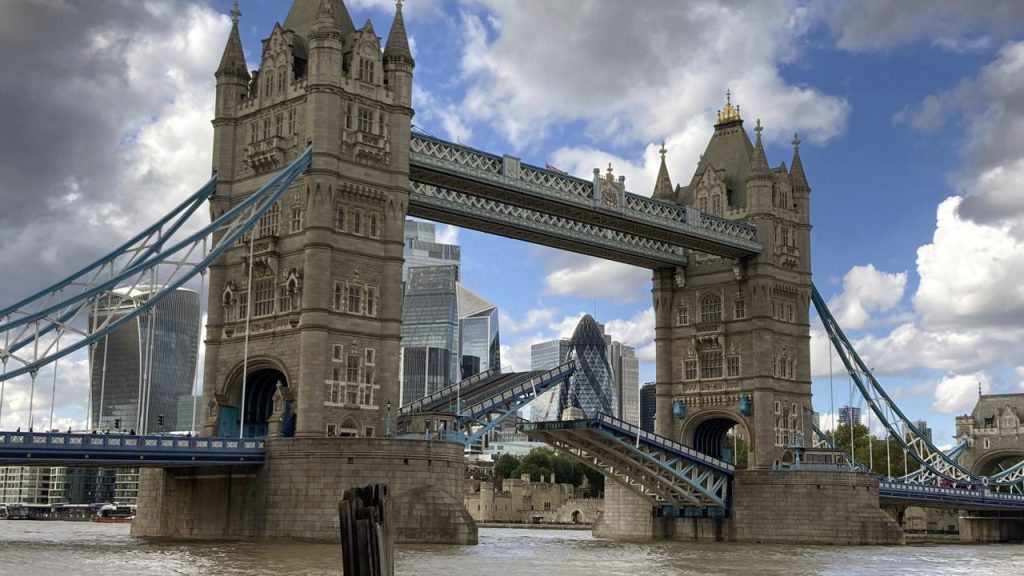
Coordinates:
(479, 338)
(430, 331)
(24, 485)
(848, 414)
(647, 406)
(626, 371)
(150, 362)
(190, 409)
(545, 356)
(922, 427)
(522, 501)
(422, 249)
(592, 387)
(72, 485)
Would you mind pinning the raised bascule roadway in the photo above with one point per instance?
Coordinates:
(316, 168)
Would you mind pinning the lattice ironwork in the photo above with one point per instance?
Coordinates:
(571, 230)
(455, 153)
(652, 466)
(104, 296)
(560, 182)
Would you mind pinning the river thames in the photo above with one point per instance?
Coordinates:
(32, 548)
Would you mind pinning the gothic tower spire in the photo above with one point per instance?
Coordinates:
(398, 61)
(398, 43)
(758, 162)
(796, 172)
(663, 185)
(232, 62)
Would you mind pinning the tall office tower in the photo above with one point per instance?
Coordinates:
(479, 341)
(190, 408)
(422, 248)
(545, 356)
(626, 370)
(848, 414)
(648, 396)
(72, 485)
(24, 485)
(430, 331)
(140, 370)
(592, 387)
(922, 427)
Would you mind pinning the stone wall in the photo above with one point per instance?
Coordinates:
(627, 516)
(809, 508)
(296, 493)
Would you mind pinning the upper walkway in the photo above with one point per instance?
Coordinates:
(500, 195)
(112, 450)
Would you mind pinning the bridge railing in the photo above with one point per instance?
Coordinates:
(451, 390)
(127, 442)
(541, 382)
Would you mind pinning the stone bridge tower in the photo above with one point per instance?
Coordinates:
(314, 315)
(993, 432)
(732, 337)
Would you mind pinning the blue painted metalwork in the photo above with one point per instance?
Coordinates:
(26, 327)
(651, 465)
(679, 409)
(61, 449)
(976, 498)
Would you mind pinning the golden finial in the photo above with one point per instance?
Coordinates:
(235, 13)
(610, 177)
(730, 113)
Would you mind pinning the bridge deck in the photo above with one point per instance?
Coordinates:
(109, 450)
(652, 466)
(943, 497)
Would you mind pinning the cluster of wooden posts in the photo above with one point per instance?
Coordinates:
(367, 532)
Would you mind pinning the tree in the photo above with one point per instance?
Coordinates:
(869, 450)
(506, 465)
(546, 462)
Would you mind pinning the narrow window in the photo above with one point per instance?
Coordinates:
(739, 309)
(355, 299)
(371, 301)
(339, 296)
(366, 120)
(296, 222)
(371, 357)
(711, 308)
(733, 366)
(339, 219)
(683, 316)
(352, 369)
(263, 297)
(339, 353)
(279, 124)
(373, 226)
(690, 370)
(711, 365)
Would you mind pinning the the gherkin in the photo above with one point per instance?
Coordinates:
(591, 389)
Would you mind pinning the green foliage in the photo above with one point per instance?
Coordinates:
(869, 450)
(543, 462)
(740, 444)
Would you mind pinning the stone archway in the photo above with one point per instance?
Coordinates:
(992, 462)
(576, 517)
(258, 388)
(708, 433)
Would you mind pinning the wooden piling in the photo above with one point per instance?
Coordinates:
(367, 539)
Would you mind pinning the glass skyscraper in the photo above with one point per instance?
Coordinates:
(140, 370)
(648, 403)
(545, 356)
(448, 332)
(626, 367)
(592, 387)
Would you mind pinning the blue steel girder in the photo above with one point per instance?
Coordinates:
(448, 394)
(479, 419)
(451, 166)
(650, 465)
(63, 449)
(539, 227)
(155, 263)
(979, 498)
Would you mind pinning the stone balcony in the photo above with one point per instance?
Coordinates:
(789, 256)
(266, 155)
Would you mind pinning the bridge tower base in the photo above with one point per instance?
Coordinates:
(987, 527)
(792, 507)
(296, 493)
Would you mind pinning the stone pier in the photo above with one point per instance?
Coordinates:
(296, 493)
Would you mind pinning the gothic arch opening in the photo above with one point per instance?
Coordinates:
(258, 391)
(720, 436)
(994, 462)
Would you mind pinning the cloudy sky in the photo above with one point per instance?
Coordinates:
(911, 114)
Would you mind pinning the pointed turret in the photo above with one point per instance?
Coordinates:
(304, 14)
(796, 173)
(232, 63)
(759, 169)
(325, 22)
(663, 185)
(398, 61)
(398, 41)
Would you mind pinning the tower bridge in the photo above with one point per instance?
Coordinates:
(316, 168)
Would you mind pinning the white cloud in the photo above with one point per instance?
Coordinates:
(523, 87)
(950, 24)
(866, 290)
(957, 393)
(447, 234)
(588, 277)
(535, 318)
(637, 332)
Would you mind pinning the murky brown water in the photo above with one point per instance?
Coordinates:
(30, 548)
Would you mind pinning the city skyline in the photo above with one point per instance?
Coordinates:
(928, 161)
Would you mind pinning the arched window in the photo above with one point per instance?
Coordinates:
(716, 205)
(702, 203)
(711, 308)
